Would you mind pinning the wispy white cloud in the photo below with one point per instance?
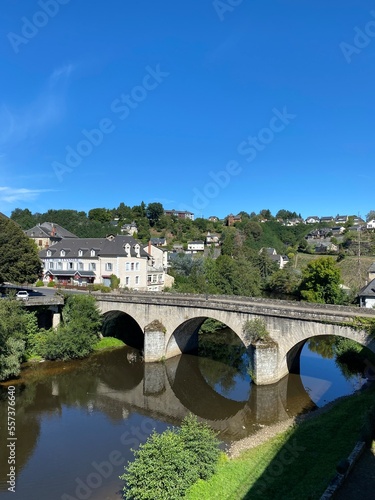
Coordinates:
(47, 109)
(11, 195)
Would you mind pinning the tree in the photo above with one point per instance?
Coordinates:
(321, 281)
(77, 335)
(169, 463)
(153, 212)
(19, 259)
(13, 331)
(100, 214)
(24, 218)
(370, 215)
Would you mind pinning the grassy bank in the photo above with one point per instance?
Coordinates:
(108, 343)
(295, 464)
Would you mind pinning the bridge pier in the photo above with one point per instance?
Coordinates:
(264, 362)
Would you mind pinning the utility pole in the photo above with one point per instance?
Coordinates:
(359, 256)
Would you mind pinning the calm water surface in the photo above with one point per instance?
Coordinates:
(76, 421)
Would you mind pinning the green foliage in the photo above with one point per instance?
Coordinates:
(284, 281)
(99, 288)
(78, 334)
(153, 212)
(211, 325)
(255, 330)
(51, 284)
(19, 260)
(321, 280)
(201, 443)
(13, 332)
(169, 463)
(39, 283)
(115, 281)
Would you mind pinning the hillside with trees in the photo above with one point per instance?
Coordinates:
(240, 265)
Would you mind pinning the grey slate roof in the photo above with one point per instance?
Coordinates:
(368, 290)
(108, 247)
(49, 230)
(371, 269)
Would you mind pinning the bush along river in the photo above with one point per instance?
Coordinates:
(76, 422)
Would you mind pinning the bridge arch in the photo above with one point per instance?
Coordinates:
(123, 326)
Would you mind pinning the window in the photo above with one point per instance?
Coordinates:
(51, 265)
(92, 253)
(92, 266)
(62, 253)
(70, 265)
(127, 281)
(108, 266)
(137, 280)
(80, 253)
(132, 266)
(149, 278)
(40, 243)
(59, 265)
(80, 266)
(127, 266)
(48, 253)
(137, 266)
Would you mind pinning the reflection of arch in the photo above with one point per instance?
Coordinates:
(128, 367)
(124, 327)
(205, 402)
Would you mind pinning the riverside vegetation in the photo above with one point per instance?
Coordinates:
(76, 337)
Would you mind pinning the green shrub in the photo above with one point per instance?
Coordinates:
(51, 284)
(255, 330)
(39, 283)
(169, 463)
(68, 343)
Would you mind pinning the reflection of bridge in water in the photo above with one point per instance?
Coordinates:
(171, 390)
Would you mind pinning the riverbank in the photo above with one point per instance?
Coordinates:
(293, 459)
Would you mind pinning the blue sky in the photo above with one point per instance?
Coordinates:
(209, 106)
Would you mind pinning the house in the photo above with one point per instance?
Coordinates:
(293, 222)
(195, 246)
(337, 230)
(280, 260)
(181, 214)
(130, 229)
(212, 239)
(357, 221)
(370, 224)
(326, 248)
(367, 295)
(312, 219)
(213, 218)
(81, 261)
(157, 278)
(341, 219)
(327, 219)
(47, 234)
(158, 242)
(232, 219)
(177, 248)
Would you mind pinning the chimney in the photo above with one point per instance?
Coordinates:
(149, 247)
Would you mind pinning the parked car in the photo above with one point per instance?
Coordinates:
(22, 295)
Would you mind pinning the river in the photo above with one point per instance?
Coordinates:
(77, 421)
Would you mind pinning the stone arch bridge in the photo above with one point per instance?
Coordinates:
(170, 324)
